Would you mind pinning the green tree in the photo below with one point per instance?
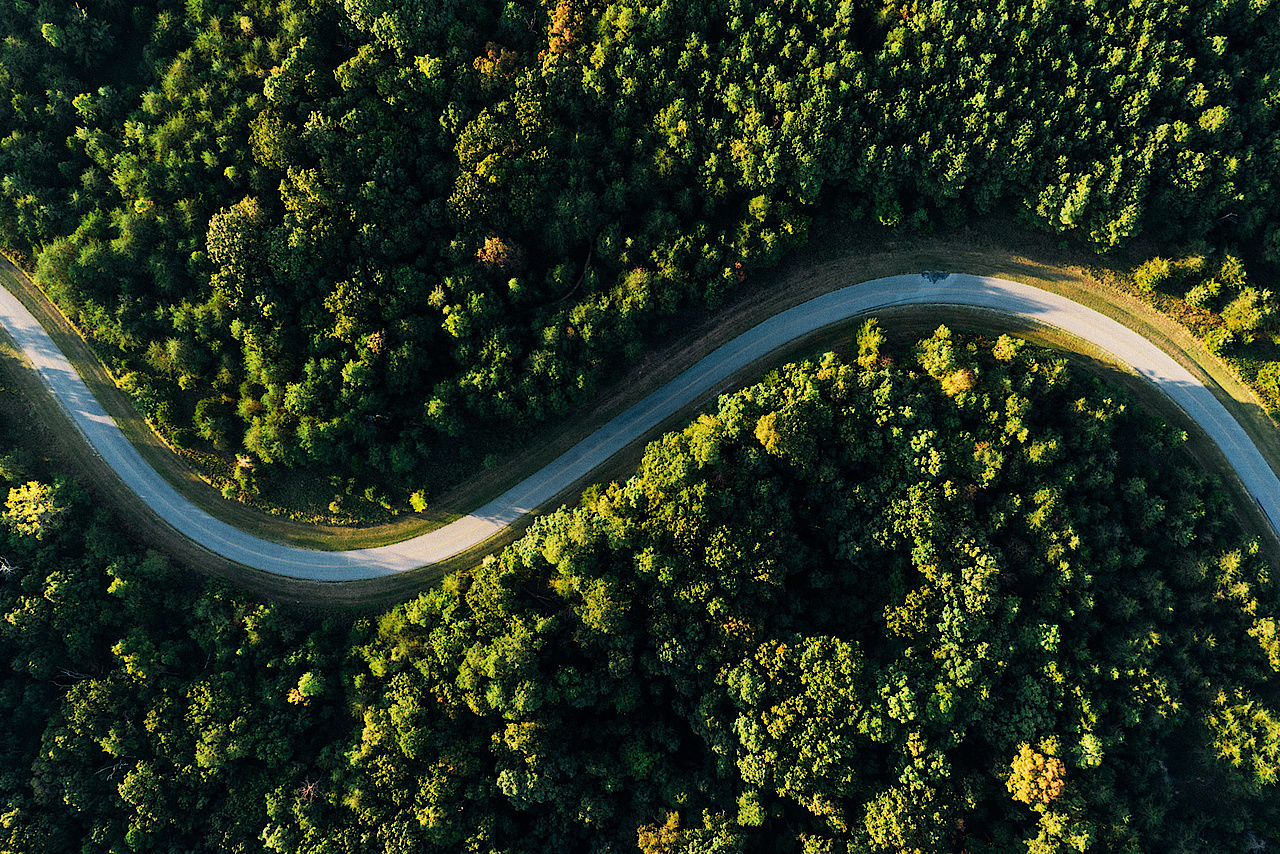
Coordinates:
(36, 509)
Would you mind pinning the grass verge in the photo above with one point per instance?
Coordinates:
(836, 256)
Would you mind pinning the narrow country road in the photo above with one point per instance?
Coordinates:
(959, 290)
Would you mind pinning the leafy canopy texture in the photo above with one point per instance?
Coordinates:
(34, 508)
(856, 608)
(383, 237)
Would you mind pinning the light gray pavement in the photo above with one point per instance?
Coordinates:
(707, 375)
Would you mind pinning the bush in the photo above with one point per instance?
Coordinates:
(1246, 313)
(1218, 339)
(35, 509)
(1269, 384)
(181, 437)
(213, 420)
(889, 212)
(1232, 273)
(1189, 268)
(1201, 296)
(868, 342)
(1151, 274)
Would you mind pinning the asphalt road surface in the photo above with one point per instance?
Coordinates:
(706, 376)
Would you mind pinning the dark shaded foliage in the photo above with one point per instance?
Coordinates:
(395, 234)
(978, 604)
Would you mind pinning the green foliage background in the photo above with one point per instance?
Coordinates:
(384, 237)
(961, 601)
(969, 605)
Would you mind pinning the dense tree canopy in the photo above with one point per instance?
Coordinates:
(378, 236)
(961, 601)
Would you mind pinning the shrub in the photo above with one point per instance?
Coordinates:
(1218, 339)
(1246, 313)
(1232, 273)
(1201, 295)
(889, 212)
(1153, 273)
(1188, 268)
(868, 341)
(35, 509)
(1269, 384)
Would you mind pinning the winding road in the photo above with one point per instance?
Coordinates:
(1013, 298)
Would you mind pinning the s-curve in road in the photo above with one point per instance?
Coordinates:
(707, 375)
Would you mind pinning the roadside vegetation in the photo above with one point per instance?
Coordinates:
(1235, 317)
(344, 253)
(950, 597)
(946, 597)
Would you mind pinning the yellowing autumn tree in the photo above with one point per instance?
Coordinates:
(34, 509)
(1036, 778)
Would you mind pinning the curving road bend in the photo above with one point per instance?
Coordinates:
(1025, 301)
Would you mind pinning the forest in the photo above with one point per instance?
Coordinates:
(952, 598)
(957, 597)
(378, 240)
